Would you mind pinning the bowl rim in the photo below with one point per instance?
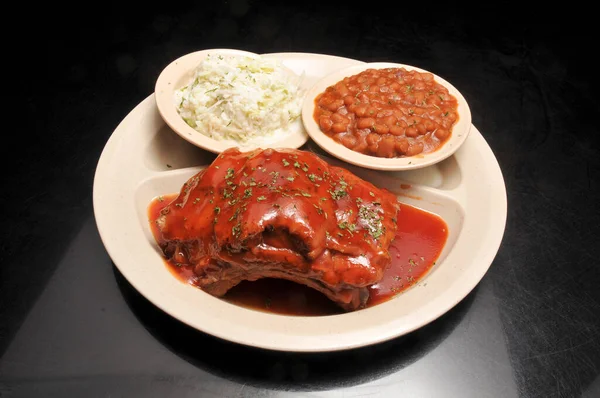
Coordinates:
(459, 134)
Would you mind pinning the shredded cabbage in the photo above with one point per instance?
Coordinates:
(240, 98)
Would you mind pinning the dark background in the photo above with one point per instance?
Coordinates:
(70, 325)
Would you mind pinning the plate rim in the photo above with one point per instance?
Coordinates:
(327, 345)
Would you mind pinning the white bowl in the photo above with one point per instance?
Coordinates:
(179, 73)
(457, 137)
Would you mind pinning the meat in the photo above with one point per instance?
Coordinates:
(281, 214)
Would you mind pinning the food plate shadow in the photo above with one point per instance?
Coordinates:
(289, 370)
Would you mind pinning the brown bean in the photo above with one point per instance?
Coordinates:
(337, 118)
(429, 125)
(415, 148)
(385, 112)
(421, 128)
(325, 100)
(419, 96)
(397, 130)
(339, 127)
(373, 139)
(411, 132)
(363, 98)
(349, 100)
(386, 147)
(365, 122)
(335, 105)
(372, 111)
(342, 89)
(401, 145)
(389, 120)
(441, 134)
(325, 123)
(348, 140)
(361, 111)
(381, 128)
(381, 81)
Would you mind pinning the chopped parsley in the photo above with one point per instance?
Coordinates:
(372, 221)
(338, 193)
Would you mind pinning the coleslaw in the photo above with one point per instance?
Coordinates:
(239, 98)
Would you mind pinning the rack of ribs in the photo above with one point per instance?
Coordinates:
(282, 213)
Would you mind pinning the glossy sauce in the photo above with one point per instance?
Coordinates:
(419, 240)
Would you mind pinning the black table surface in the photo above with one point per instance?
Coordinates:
(72, 326)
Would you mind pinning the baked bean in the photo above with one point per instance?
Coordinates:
(360, 111)
(418, 111)
(387, 112)
(418, 86)
(339, 127)
(401, 145)
(381, 128)
(386, 147)
(325, 123)
(441, 134)
(325, 100)
(419, 97)
(429, 125)
(348, 140)
(415, 148)
(363, 98)
(373, 139)
(389, 120)
(337, 118)
(365, 123)
(372, 111)
(342, 89)
(397, 130)
(334, 105)
(411, 132)
(384, 113)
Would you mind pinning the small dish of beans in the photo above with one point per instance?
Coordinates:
(389, 116)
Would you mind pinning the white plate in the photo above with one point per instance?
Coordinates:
(460, 130)
(143, 158)
(179, 72)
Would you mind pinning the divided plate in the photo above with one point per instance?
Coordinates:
(467, 190)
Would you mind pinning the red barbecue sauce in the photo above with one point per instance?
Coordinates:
(420, 238)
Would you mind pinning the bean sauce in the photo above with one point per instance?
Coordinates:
(387, 113)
